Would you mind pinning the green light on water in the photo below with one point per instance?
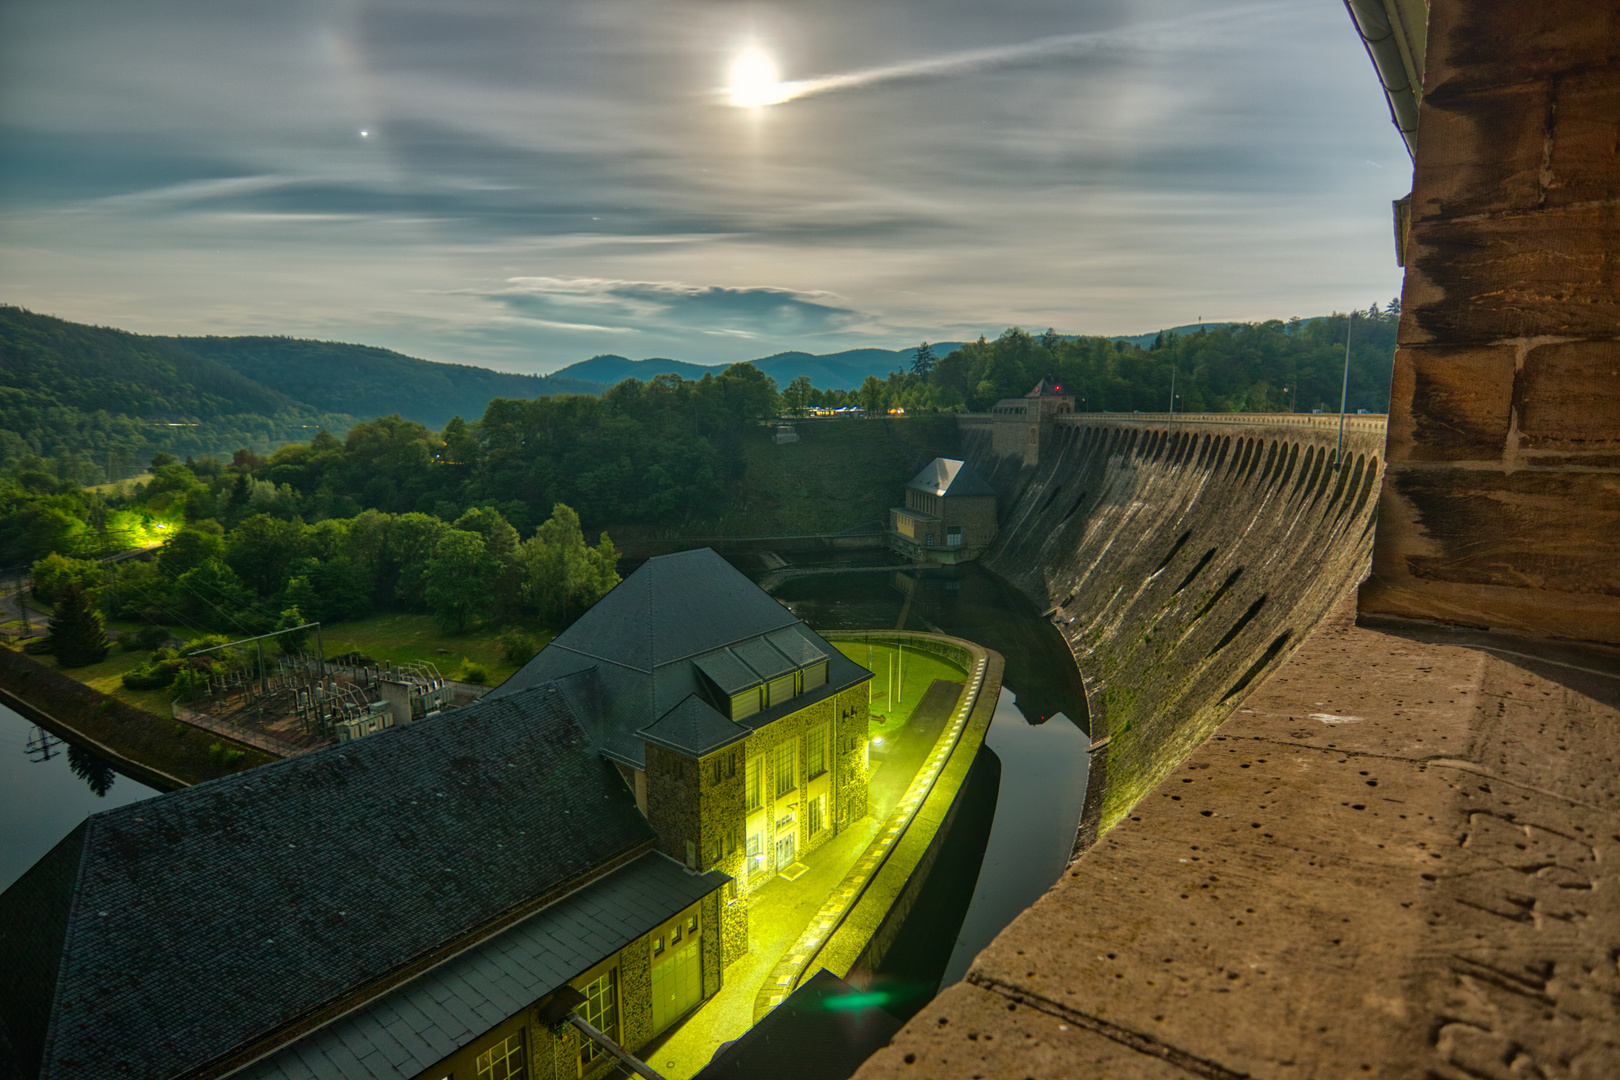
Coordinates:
(851, 1002)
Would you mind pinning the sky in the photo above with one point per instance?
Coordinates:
(522, 184)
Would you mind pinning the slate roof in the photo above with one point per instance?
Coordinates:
(695, 728)
(947, 476)
(204, 919)
(1048, 387)
(637, 654)
(442, 1011)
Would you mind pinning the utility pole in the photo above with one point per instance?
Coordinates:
(1344, 390)
(1170, 425)
(22, 606)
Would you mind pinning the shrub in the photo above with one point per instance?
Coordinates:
(151, 637)
(153, 676)
(129, 640)
(474, 672)
(206, 641)
(518, 647)
(224, 756)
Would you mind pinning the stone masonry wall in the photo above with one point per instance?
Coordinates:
(1504, 441)
(1180, 563)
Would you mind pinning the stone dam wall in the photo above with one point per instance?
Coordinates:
(1182, 560)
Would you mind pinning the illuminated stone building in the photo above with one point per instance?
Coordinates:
(426, 901)
(741, 731)
(949, 516)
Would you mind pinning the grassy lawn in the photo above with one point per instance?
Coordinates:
(915, 675)
(404, 638)
(397, 638)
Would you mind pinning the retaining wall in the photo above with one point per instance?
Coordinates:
(1181, 559)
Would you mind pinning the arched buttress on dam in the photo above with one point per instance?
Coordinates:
(1177, 568)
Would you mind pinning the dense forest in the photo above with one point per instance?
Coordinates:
(485, 521)
(1273, 366)
(89, 403)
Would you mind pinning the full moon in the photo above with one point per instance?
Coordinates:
(754, 81)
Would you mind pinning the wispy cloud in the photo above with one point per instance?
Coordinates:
(732, 311)
(1158, 35)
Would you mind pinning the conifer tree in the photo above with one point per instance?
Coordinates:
(78, 634)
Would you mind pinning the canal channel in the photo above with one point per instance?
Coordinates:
(1020, 806)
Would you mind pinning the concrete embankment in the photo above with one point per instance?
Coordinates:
(1181, 561)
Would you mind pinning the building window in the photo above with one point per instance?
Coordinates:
(731, 763)
(786, 779)
(815, 675)
(817, 814)
(745, 703)
(953, 536)
(600, 1009)
(754, 782)
(504, 1060)
(782, 689)
(816, 755)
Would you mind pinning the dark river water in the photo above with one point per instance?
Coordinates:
(1015, 825)
(47, 787)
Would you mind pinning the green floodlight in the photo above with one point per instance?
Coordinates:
(872, 999)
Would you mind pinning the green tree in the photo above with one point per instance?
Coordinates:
(213, 595)
(460, 580)
(78, 635)
(797, 395)
(923, 362)
(293, 640)
(562, 576)
(871, 395)
(54, 572)
(189, 548)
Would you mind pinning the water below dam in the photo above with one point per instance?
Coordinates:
(1021, 804)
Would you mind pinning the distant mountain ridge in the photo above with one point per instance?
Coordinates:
(827, 371)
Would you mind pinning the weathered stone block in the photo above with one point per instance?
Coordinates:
(1481, 151)
(1568, 396)
(1550, 272)
(1583, 164)
(1529, 529)
(1451, 404)
(1499, 42)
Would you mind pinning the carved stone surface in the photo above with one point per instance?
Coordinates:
(1508, 369)
(1398, 858)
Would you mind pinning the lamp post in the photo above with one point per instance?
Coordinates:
(1344, 390)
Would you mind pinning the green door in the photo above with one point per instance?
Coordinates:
(677, 982)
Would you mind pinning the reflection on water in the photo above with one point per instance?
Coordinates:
(48, 786)
(1043, 785)
(1020, 809)
(963, 601)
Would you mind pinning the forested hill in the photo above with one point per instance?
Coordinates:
(73, 391)
(366, 381)
(826, 371)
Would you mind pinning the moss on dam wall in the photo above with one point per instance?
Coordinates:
(1180, 565)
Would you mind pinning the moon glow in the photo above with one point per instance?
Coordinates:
(754, 80)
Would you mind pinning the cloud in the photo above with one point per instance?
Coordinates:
(746, 311)
(1201, 29)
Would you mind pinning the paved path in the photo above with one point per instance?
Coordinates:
(1400, 857)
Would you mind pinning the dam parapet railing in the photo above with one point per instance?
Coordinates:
(1181, 558)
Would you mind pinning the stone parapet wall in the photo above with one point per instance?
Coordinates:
(1503, 501)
